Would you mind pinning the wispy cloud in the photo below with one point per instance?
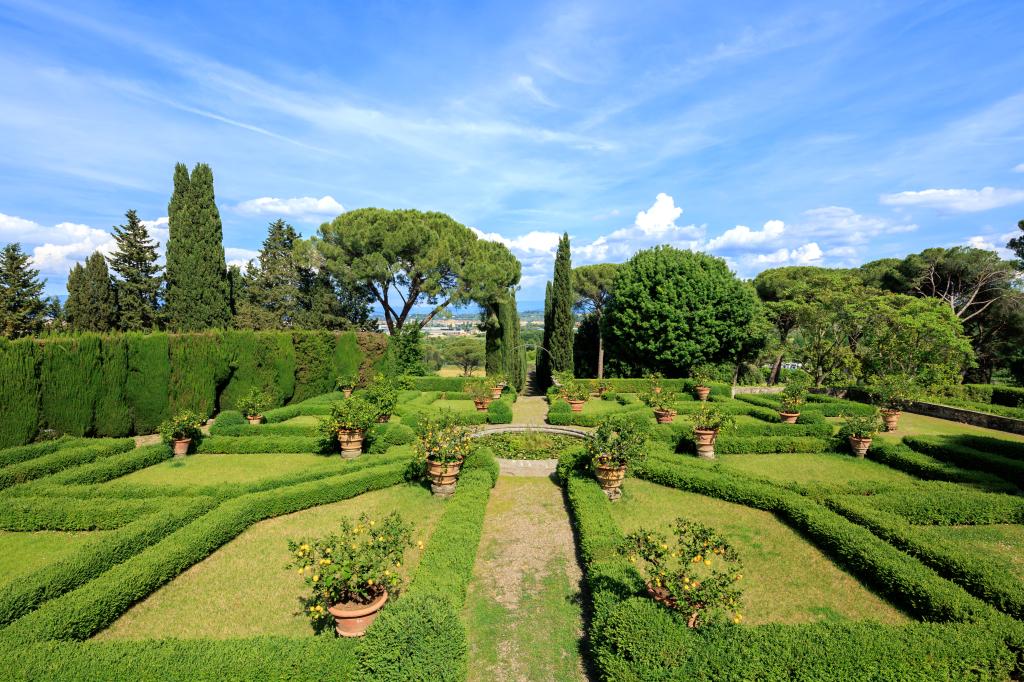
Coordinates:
(957, 200)
(309, 209)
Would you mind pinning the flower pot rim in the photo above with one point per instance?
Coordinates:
(705, 430)
(789, 414)
(341, 609)
(182, 440)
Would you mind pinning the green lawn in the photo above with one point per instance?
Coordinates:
(310, 420)
(529, 410)
(243, 589)
(1001, 545)
(22, 553)
(453, 405)
(213, 469)
(814, 468)
(522, 611)
(787, 579)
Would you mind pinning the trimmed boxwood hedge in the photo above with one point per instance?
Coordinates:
(947, 450)
(899, 456)
(22, 453)
(41, 513)
(63, 458)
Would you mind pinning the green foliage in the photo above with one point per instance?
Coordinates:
(710, 417)
(19, 396)
(197, 282)
(263, 361)
(271, 296)
(543, 360)
(563, 297)
(499, 412)
(113, 413)
(382, 393)
(21, 305)
(676, 309)
(138, 275)
(696, 571)
(347, 356)
(70, 382)
(314, 370)
(20, 453)
(382, 437)
(442, 439)
(949, 451)
(424, 257)
(254, 403)
(618, 442)
(866, 426)
(184, 425)
(795, 391)
(147, 388)
(91, 305)
(72, 454)
(530, 445)
(906, 459)
(199, 370)
(356, 414)
(353, 565)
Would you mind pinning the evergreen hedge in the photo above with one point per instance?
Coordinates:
(19, 393)
(69, 383)
(199, 369)
(949, 451)
(113, 413)
(314, 364)
(147, 389)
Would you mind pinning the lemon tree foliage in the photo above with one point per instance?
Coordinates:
(407, 258)
(674, 309)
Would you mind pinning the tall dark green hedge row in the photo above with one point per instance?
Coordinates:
(124, 384)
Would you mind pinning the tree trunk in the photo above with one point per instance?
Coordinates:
(773, 378)
(600, 353)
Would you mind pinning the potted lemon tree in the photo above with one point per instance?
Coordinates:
(892, 393)
(616, 443)
(351, 573)
(708, 420)
(181, 430)
(348, 422)
(253, 404)
(701, 376)
(346, 383)
(382, 393)
(444, 443)
(480, 391)
(694, 571)
(662, 404)
(859, 431)
(575, 393)
(794, 395)
(498, 384)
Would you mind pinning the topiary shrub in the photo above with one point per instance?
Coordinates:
(499, 412)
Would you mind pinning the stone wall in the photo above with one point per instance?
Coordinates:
(959, 414)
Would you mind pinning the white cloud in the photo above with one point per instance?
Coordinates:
(660, 218)
(1019, 168)
(525, 83)
(240, 257)
(957, 200)
(300, 208)
(742, 236)
(845, 225)
(993, 242)
(808, 254)
(55, 249)
(531, 243)
(158, 230)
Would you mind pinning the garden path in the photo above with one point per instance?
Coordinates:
(530, 410)
(523, 610)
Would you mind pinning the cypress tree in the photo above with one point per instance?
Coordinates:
(22, 308)
(19, 392)
(198, 295)
(138, 283)
(272, 295)
(92, 303)
(543, 375)
(562, 299)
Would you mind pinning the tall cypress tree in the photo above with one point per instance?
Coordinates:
(21, 305)
(138, 285)
(543, 375)
(198, 294)
(562, 299)
(92, 303)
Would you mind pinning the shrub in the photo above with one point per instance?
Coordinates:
(442, 439)
(499, 412)
(113, 414)
(355, 565)
(19, 392)
(355, 414)
(253, 404)
(901, 457)
(795, 391)
(198, 370)
(148, 386)
(69, 381)
(314, 367)
(709, 417)
(382, 393)
(618, 442)
(22, 453)
(74, 453)
(382, 437)
(860, 427)
(1010, 469)
(892, 391)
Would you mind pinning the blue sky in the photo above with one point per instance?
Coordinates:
(767, 133)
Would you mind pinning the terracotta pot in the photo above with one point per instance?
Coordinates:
(255, 419)
(181, 447)
(352, 620)
(664, 416)
(891, 419)
(859, 446)
(705, 440)
(351, 441)
(576, 405)
(383, 418)
(789, 417)
(702, 392)
(347, 392)
(610, 477)
(496, 392)
(443, 476)
(481, 404)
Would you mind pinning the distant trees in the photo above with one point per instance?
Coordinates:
(593, 287)
(406, 258)
(1016, 245)
(22, 308)
(675, 309)
(92, 303)
(198, 295)
(271, 298)
(466, 353)
(138, 278)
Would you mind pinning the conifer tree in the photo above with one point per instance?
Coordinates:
(562, 299)
(21, 305)
(138, 283)
(198, 295)
(92, 303)
(272, 299)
